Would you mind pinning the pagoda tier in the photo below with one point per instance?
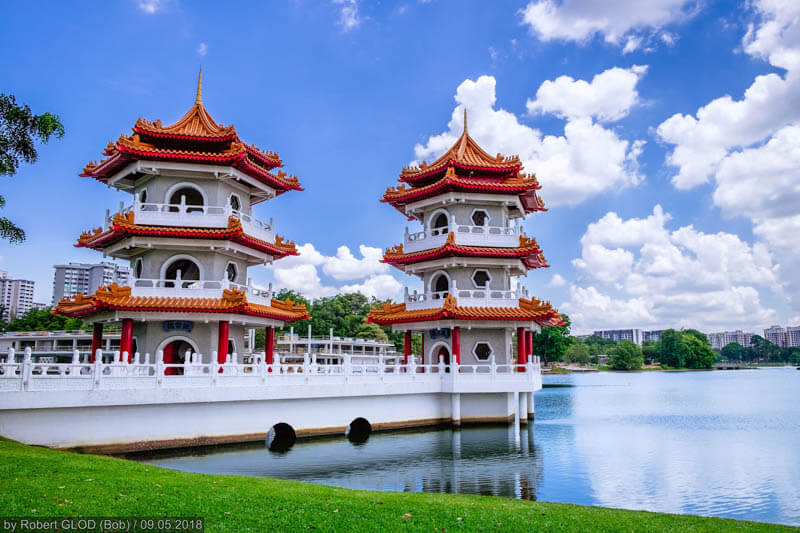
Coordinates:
(532, 310)
(232, 301)
(528, 252)
(195, 138)
(123, 226)
(524, 186)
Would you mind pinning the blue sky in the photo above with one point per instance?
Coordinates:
(665, 136)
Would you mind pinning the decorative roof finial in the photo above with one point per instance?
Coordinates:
(199, 99)
(465, 119)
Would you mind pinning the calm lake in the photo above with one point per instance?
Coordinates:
(724, 443)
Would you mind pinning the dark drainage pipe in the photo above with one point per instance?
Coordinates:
(281, 437)
(358, 431)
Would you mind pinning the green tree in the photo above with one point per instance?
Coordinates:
(765, 350)
(625, 356)
(734, 352)
(44, 320)
(18, 129)
(674, 350)
(552, 343)
(700, 353)
(578, 352)
(650, 350)
(368, 330)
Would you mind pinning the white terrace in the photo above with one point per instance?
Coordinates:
(483, 297)
(349, 375)
(466, 235)
(193, 216)
(180, 288)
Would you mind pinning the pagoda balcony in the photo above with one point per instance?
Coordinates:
(465, 298)
(182, 288)
(193, 216)
(491, 236)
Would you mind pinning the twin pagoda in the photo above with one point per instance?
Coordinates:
(470, 205)
(190, 235)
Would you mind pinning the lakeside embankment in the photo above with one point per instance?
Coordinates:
(44, 483)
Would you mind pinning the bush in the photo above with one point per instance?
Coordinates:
(625, 356)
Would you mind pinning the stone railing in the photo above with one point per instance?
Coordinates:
(193, 216)
(482, 297)
(144, 372)
(197, 289)
(496, 236)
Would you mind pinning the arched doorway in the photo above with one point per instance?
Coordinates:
(175, 353)
(440, 223)
(189, 270)
(188, 196)
(442, 354)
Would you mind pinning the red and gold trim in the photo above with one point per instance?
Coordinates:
(123, 226)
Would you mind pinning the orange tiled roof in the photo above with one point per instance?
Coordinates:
(529, 309)
(528, 251)
(467, 154)
(123, 225)
(116, 298)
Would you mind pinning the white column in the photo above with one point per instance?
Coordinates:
(455, 409)
(530, 407)
(523, 407)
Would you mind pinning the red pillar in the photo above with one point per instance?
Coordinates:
(126, 338)
(97, 339)
(269, 345)
(457, 344)
(522, 348)
(222, 343)
(422, 346)
(406, 346)
(529, 344)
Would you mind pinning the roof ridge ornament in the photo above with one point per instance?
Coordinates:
(199, 99)
(465, 120)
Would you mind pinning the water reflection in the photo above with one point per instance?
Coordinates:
(710, 443)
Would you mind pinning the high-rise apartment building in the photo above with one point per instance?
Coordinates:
(16, 296)
(720, 340)
(634, 335)
(85, 278)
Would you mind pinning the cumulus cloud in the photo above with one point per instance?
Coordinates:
(557, 281)
(749, 147)
(609, 96)
(588, 159)
(202, 49)
(639, 273)
(300, 273)
(348, 14)
(620, 22)
(150, 6)
(345, 266)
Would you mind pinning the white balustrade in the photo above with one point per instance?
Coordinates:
(495, 236)
(466, 298)
(146, 372)
(197, 288)
(193, 216)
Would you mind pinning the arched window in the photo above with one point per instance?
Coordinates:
(440, 286)
(189, 270)
(236, 204)
(190, 196)
(231, 272)
(440, 223)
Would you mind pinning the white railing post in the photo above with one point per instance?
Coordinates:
(412, 366)
(262, 368)
(26, 369)
(305, 366)
(12, 356)
(159, 367)
(441, 367)
(492, 367)
(347, 368)
(98, 368)
(214, 368)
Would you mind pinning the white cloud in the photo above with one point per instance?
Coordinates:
(345, 266)
(348, 14)
(202, 49)
(587, 160)
(300, 272)
(639, 273)
(557, 281)
(150, 6)
(609, 96)
(617, 21)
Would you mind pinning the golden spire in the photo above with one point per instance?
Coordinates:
(465, 119)
(199, 99)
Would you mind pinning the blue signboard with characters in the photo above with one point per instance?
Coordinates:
(178, 325)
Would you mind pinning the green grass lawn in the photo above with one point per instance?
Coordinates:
(41, 482)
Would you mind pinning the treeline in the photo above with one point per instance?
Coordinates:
(42, 320)
(760, 351)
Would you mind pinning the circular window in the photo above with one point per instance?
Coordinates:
(231, 271)
(236, 205)
(482, 351)
(481, 279)
(137, 268)
(480, 217)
